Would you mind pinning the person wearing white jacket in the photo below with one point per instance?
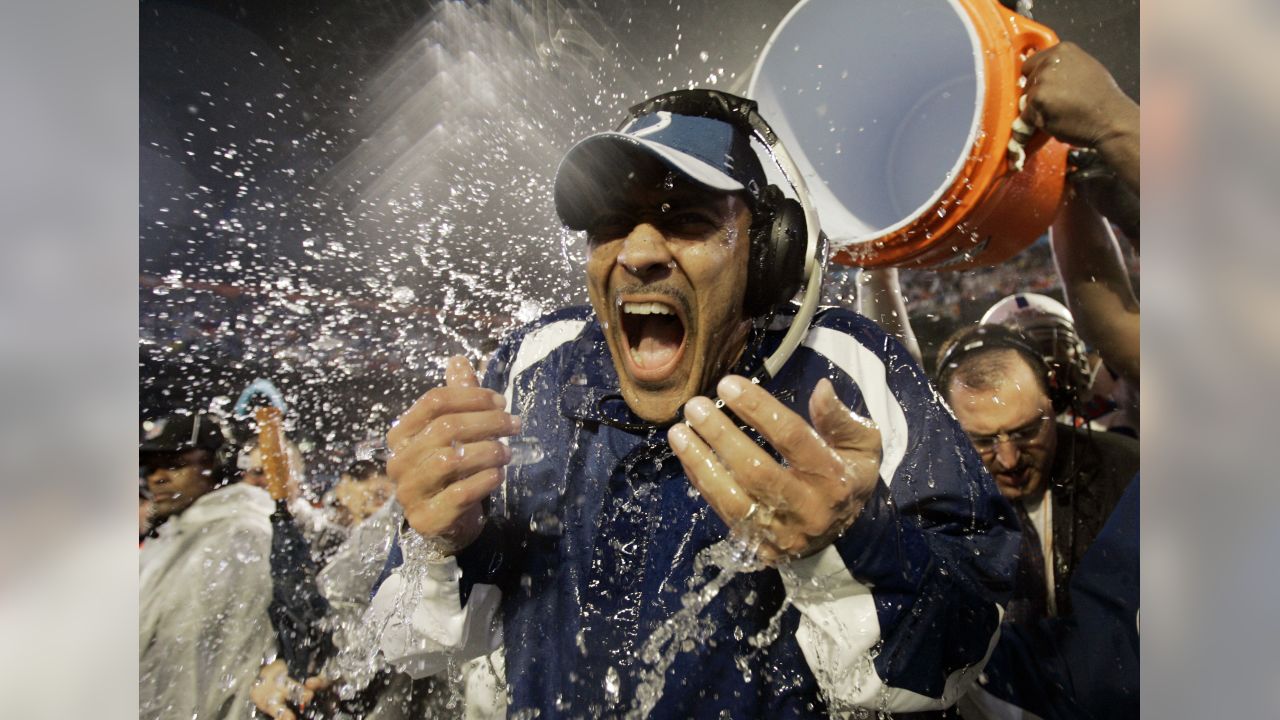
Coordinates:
(204, 579)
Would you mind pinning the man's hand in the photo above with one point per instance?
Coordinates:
(446, 457)
(1071, 96)
(831, 468)
(276, 694)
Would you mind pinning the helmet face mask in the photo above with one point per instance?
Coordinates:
(1050, 326)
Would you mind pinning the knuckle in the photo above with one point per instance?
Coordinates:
(442, 430)
(395, 467)
(407, 498)
(396, 433)
(753, 398)
(442, 462)
(433, 403)
(815, 525)
(793, 433)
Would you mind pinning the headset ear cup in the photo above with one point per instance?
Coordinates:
(788, 237)
(776, 265)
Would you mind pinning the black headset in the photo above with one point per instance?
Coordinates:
(778, 231)
(984, 338)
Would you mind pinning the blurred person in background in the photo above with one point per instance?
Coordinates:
(144, 510)
(204, 579)
(1063, 481)
(323, 534)
(347, 583)
(1087, 390)
(1086, 663)
(362, 489)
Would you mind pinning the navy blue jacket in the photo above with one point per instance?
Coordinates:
(594, 548)
(1086, 664)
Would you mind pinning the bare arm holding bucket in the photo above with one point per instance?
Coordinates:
(1071, 96)
(1097, 285)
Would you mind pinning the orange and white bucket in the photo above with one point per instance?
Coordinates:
(900, 116)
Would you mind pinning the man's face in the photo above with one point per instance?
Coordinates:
(176, 480)
(254, 474)
(362, 498)
(666, 273)
(1012, 428)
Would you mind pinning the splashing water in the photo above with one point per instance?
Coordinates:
(735, 555)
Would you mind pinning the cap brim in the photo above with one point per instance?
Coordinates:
(598, 162)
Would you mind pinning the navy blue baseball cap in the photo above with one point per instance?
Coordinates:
(711, 153)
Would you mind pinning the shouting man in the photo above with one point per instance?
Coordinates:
(815, 542)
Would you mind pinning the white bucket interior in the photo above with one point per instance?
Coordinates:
(878, 102)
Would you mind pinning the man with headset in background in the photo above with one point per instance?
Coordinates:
(204, 579)
(773, 553)
(1064, 481)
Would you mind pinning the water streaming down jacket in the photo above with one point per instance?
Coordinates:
(591, 550)
(204, 587)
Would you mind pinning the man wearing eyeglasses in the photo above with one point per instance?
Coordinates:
(1063, 481)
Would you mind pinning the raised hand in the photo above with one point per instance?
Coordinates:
(1071, 96)
(797, 508)
(446, 457)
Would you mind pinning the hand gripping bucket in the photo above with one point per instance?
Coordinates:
(899, 114)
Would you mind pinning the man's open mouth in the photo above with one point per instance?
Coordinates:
(653, 332)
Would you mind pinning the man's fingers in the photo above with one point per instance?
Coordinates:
(449, 431)
(708, 475)
(839, 426)
(786, 431)
(752, 468)
(459, 373)
(439, 402)
(471, 427)
(445, 509)
(441, 467)
(1034, 62)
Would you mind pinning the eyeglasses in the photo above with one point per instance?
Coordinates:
(1025, 435)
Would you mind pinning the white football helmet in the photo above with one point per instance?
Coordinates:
(1049, 325)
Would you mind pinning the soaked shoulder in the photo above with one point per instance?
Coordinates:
(861, 330)
(859, 327)
(573, 315)
(849, 322)
(534, 341)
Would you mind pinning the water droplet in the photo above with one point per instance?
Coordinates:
(525, 450)
(612, 685)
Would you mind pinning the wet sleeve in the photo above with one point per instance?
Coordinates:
(429, 612)
(902, 611)
(423, 622)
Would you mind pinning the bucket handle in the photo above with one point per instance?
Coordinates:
(1027, 37)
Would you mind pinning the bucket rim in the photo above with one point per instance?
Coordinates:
(977, 49)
